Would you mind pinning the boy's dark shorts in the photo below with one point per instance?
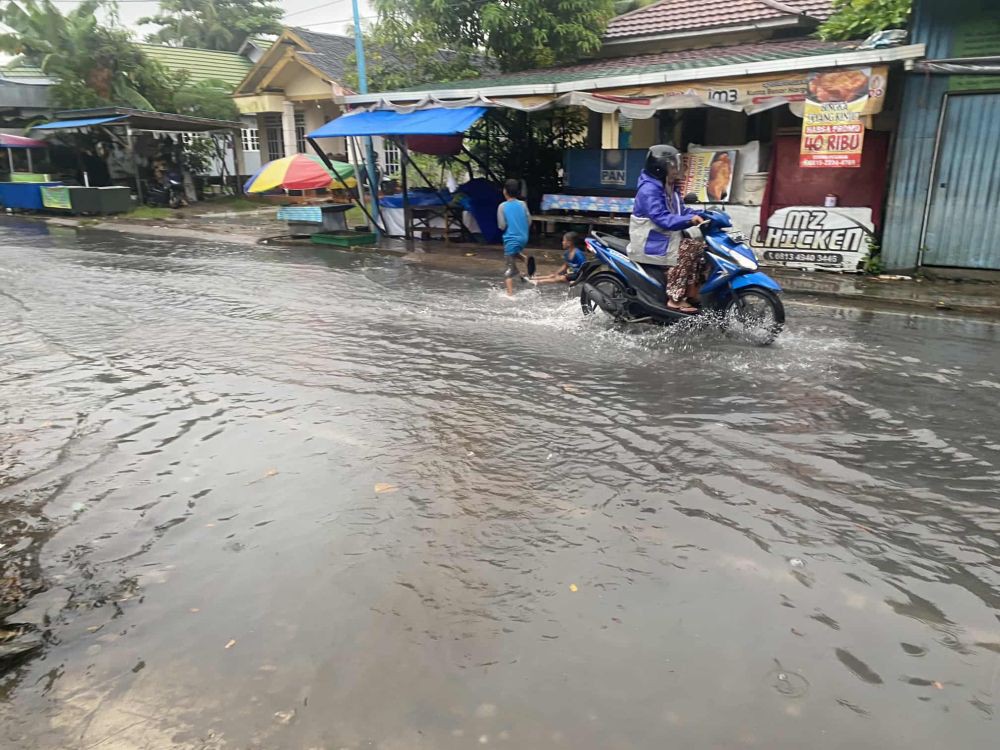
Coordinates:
(511, 271)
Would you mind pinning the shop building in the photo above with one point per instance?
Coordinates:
(732, 84)
(943, 213)
(288, 91)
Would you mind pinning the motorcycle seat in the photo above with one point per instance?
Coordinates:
(615, 243)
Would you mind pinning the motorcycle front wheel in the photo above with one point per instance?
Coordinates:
(756, 315)
(609, 285)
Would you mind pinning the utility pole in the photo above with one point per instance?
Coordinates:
(359, 53)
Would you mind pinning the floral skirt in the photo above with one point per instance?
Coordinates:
(689, 269)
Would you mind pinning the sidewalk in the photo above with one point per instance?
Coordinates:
(261, 227)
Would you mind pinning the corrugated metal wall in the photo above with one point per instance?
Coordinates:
(923, 96)
(965, 192)
(920, 114)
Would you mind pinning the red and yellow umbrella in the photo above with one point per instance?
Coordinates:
(299, 172)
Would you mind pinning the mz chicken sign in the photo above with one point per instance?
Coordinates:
(833, 132)
(835, 239)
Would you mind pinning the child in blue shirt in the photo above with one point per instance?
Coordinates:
(573, 260)
(514, 219)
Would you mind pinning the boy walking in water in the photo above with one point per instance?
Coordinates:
(513, 218)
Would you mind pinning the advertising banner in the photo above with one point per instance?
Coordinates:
(814, 237)
(613, 167)
(976, 37)
(755, 93)
(56, 197)
(749, 94)
(833, 132)
(709, 175)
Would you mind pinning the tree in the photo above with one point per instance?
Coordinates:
(856, 19)
(397, 56)
(213, 24)
(98, 65)
(210, 98)
(519, 34)
(95, 64)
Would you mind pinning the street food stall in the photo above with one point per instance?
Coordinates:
(467, 212)
(21, 189)
(150, 143)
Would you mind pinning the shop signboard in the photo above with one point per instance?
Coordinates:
(709, 175)
(975, 37)
(814, 237)
(833, 132)
(747, 94)
(56, 197)
(613, 167)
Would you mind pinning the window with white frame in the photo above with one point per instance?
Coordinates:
(251, 139)
(273, 135)
(300, 132)
(392, 158)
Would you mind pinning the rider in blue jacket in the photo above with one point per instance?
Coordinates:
(659, 210)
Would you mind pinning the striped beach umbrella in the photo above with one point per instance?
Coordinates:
(298, 172)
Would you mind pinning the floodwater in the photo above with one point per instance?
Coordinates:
(285, 498)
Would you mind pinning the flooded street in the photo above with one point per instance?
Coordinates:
(286, 498)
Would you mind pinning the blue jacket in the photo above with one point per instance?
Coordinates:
(656, 213)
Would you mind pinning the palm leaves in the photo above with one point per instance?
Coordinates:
(94, 63)
(213, 24)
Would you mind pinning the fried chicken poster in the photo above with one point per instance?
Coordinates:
(709, 175)
(833, 132)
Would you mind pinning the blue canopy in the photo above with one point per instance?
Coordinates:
(437, 121)
(63, 124)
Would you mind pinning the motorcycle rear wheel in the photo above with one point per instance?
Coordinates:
(755, 315)
(607, 283)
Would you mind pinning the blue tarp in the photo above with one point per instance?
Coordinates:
(438, 121)
(63, 124)
(417, 198)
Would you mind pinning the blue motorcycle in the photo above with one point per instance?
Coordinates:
(743, 299)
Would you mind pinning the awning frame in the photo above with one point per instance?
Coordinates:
(78, 124)
(850, 58)
(138, 119)
(452, 121)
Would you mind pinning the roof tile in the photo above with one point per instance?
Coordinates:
(200, 64)
(678, 16)
(654, 63)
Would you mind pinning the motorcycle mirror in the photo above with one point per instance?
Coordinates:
(691, 198)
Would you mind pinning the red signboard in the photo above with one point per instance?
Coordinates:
(833, 132)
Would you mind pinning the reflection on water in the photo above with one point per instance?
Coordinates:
(288, 499)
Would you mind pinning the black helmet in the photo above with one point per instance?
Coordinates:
(659, 159)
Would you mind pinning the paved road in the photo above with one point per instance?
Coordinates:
(300, 499)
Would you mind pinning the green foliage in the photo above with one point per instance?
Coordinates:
(397, 56)
(96, 64)
(209, 98)
(872, 263)
(518, 34)
(528, 146)
(625, 6)
(856, 19)
(213, 24)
